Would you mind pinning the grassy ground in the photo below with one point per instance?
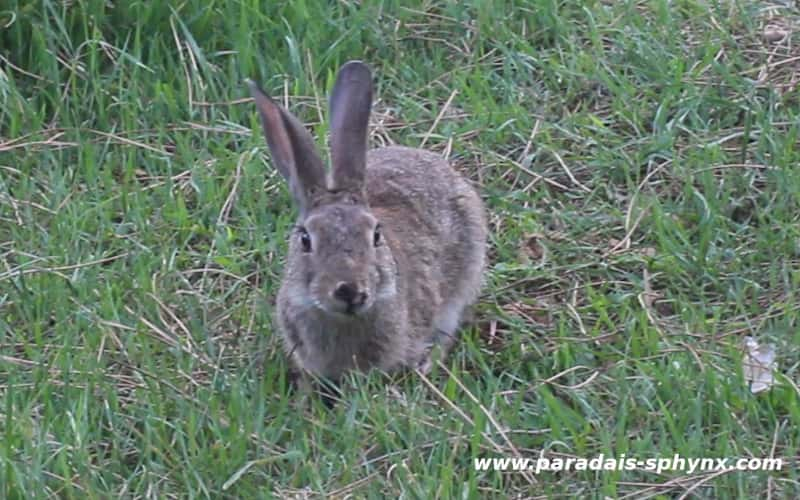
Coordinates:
(639, 160)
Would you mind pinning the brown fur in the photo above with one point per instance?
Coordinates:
(417, 281)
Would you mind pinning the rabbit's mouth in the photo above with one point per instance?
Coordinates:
(336, 308)
(348, 298)
(343, 309)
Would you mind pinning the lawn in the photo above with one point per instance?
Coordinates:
(639, 163)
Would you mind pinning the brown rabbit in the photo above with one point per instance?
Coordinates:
(388, 249)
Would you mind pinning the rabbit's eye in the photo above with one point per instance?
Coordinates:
(305, 240)
(377, 239)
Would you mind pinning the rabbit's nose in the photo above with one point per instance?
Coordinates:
(350, 294)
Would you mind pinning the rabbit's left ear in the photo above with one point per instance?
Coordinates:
(292, 150)
(350, 103)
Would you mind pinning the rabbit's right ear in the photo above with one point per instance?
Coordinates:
(350, 103)
(292, 149)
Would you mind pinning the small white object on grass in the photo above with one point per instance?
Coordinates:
(758, 365)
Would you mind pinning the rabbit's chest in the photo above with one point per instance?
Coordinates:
(331, 348)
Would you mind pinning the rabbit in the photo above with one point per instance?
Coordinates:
(389, 246)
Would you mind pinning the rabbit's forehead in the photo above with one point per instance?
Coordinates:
(345, 219)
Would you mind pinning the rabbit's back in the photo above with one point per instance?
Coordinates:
(437, 222)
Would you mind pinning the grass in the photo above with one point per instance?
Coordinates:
(639, 161)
